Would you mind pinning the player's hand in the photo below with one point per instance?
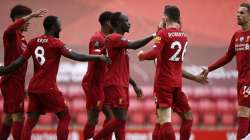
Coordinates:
(201, 79)
(39, 13)
(138, 92)
(106, 59)
(1, 70)
(204, 72)
(139, 55)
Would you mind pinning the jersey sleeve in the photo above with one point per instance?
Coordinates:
(150, 54)
(61, 48)
(28, 52)
(96, 46)
(159, 39)
(117, 42)
(15, 26)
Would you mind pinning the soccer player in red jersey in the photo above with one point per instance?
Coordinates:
(170, 46)
(93, 80)
(117, 76)
(186, 115)
(44, 95)
(13, 85)
(239, 47)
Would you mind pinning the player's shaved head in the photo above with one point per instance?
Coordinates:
(172, 12)
(104, 17)
(49, 21)
(19, 11)
(115, 18)
(246, 5)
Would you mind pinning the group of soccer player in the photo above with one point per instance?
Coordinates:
(107, 79)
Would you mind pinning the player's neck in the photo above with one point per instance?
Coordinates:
(49, 33)
(245, 27)
(105, 31)
(173, 25)
(119, 31)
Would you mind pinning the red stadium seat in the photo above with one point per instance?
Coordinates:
(176, 120)
(196, 119)
(81, 118)
(152, 118)
(136, 105)
(149, 105)
(206, 105)
(209, 119)
(224, 106)
(137, 118)
(228, 119)
(78, 105)
(46, 119)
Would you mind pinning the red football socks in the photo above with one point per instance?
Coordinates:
(185, 130)
(243, 127)
(17, 130)
(166, 132)
(120, 132)
(156, 131)
(5, 132)
(63, 127)
(27, 129)
(88, 131)
(108, 137)
(110, 127)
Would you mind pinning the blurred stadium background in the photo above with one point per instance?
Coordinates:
(209, 25)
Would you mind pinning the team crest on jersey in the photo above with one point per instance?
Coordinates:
(248, 39)
(97, 44)
(123, 39)
(157, 39)
(120, 100)
(242, 38)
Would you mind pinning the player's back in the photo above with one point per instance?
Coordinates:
(172, 42)
(46, 53)
(95, 72)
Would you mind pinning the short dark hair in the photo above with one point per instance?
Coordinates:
(115, 18)
(19, 10)
(49, 21)
(247, 5)
(104, 17)
(172, 12)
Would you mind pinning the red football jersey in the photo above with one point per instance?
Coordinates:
(239, 46)
(95, 73)
(118, 71)
(171, 44)
(46, 52)
(14, 46)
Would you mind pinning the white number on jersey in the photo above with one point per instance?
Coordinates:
(39, 52)
(179, 47)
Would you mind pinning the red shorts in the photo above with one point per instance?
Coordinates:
(243, 93)
(51, 102)
(94, 97)
(13, 91)
(172, 97)
(116, 97)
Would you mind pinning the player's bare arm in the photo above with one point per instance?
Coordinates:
(137, 89)
(219, 63)
(197, 78)
(84, 57)
(13, 66)
(36, 14)
(140, 43)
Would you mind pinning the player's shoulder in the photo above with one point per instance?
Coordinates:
(114, 36)
(97, 36)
